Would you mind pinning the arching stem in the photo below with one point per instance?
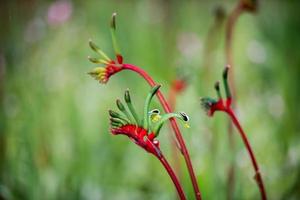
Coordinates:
(175, 127)
(257, 176)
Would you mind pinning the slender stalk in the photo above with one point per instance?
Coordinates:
(257, 176)
(229, 61)
(177, 132)
(172, 175)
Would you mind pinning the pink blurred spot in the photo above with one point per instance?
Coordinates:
(59, 12)
(189, 44)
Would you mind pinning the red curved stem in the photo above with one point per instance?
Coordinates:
(257, 176)
(177, 132)
(172, 175)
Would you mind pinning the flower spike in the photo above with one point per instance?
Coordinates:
(142, 134)
(212, 105)
(102, 74)
(111, 66)
(139, 134)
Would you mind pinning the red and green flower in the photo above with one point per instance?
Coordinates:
(142, 131)
(211, 105)
(108, 66)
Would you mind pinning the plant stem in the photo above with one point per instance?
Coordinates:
(257, 176)
(234, 15)
(177, 132)
(172, 176)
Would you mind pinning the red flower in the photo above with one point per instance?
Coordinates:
(111, 66)
(179, 85)
(211, 105)
(140, 136)
(141, 131)
(102, 74)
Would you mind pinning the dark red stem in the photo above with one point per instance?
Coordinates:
(174, 124)
(172, 175)
(257, 176)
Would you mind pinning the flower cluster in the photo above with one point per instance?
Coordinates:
(211, 105)
(143, 131)
(103, 73)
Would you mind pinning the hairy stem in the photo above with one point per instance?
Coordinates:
(174, 124)
(172, 175)
(257, 176)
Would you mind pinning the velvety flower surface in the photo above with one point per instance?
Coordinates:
(140, 136)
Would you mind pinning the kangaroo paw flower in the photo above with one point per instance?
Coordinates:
(111, 67)
(143, 134)
(211, 105)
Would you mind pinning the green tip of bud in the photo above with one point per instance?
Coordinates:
(116, 120)
(155, 89)
(98, 61)
(225, 72)
(93, 60)
(217, 86)
(127, 96)
(93, 45)
(113, 114)
(113, 21)
(95, 48)
(120, 105)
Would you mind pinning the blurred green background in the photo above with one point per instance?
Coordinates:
(55, 141)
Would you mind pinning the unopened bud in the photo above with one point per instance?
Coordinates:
(120, 105)
(127, 96)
